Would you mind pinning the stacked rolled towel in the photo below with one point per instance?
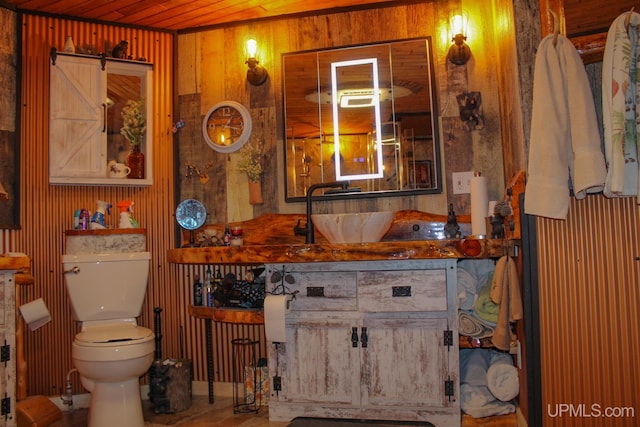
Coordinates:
(502, 377)
(472, 326)
(477, 387)
(473, 275)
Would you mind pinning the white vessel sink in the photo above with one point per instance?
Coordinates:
(353, 227)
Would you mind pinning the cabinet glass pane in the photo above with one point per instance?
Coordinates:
(120, 89)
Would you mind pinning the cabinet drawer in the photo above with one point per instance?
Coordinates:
(324, 290)
(402, 290)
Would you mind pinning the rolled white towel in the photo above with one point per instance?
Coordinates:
(502, 377)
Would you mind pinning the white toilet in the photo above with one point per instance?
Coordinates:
(111, 351)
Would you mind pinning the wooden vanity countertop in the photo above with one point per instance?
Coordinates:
(14, 261)
(326, 252)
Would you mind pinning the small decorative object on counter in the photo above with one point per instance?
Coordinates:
(197, 291)
(234, 292)
(97, 219)
(227, 235)
(126, 209)
(236, 236)
(209, 287)
(452, 229)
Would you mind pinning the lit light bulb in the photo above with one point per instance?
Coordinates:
(252, 48)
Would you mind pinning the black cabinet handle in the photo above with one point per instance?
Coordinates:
(354, 337)
(104, 117)
(364, 338)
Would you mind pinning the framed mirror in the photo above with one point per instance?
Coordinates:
(363, 113)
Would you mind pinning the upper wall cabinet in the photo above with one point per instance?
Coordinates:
(87, 98)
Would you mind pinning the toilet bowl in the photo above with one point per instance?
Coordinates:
(111, 351)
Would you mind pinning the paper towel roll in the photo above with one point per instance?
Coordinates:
(276, 307)
(479, 205)
(35, 313)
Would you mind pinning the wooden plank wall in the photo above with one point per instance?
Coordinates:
(211, 68)
(589, 277)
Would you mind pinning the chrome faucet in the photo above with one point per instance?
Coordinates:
(308, 230)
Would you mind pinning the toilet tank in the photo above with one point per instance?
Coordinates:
(106, 286)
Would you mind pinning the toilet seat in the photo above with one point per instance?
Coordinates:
(107, 336)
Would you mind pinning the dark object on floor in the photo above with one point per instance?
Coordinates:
(330, 422)
(37, 411)
(169, 379)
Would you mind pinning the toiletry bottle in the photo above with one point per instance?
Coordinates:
(217, 282)
(97, 219)
(126, 209)
(84, 219)
(197, 291)
(209, 287)
(76, 219)
(227, 236)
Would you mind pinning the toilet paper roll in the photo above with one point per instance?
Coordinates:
(276, 307)
(35, 313)
(479, 205)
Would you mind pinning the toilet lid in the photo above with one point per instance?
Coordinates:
(113, 334)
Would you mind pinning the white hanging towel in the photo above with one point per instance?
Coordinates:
(620, 104)
(564, 140)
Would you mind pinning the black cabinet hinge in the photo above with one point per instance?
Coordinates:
(5, 406)
(448, 338)
(277, 383)
(5, 353)
(448, 389)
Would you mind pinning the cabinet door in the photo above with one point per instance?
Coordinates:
(77, 119)
(321, 366)
(406, 363)
(8, 339)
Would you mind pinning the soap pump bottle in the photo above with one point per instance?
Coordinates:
(97, 219)
(197, 291)
(209, 287)
(126, 209)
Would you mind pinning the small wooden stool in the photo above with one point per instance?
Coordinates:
(37, 411)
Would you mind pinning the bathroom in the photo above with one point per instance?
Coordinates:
(46, 210)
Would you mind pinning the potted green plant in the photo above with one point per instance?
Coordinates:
(134, 128)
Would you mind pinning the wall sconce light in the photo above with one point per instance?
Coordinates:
(459, 52)
(256, 74)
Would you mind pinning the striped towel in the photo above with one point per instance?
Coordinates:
(472, 326)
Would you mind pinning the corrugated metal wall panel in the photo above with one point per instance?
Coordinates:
(47, 210)
(589, 284)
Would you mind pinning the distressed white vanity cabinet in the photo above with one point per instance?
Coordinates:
(367, 340)
(87, 94)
